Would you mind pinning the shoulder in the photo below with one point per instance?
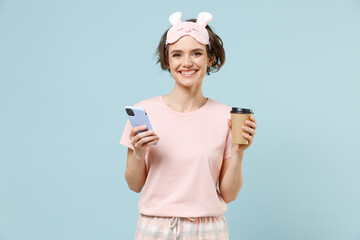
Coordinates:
(149, 102)
(221, 107)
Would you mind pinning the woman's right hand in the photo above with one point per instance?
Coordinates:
(142, 140)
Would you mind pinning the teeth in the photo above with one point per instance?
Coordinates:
(188, 73)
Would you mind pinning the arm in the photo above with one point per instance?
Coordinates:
(231, 179)
(135, 173)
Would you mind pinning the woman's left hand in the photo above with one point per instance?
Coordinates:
(249, 133)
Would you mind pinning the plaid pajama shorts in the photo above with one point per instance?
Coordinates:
(164, 228)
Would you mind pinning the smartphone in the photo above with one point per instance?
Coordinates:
(137, 117)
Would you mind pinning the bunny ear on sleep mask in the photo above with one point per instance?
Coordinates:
(196, 30)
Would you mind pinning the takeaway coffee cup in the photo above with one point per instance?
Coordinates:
(238, 118)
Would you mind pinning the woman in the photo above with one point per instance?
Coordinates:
(179, 175)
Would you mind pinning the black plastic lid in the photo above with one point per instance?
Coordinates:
(241, 110)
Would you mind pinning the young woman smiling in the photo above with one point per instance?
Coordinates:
(178, 177)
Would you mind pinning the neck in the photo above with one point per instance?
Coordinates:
(182, 100)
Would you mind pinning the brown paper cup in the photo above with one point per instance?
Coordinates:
(238, 118)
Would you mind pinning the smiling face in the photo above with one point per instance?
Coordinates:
(188, 61)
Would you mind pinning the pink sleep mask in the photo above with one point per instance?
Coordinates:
(196, 30)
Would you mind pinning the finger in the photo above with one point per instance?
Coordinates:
(146, 143)
(247, 136)
(251, 124)
(142, 135)
(136, 129)
(249, 130)
(229, 123)
(152, 142)
(252, 118)
(145, 134)
(146, 140)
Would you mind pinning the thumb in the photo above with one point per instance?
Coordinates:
(229, 123)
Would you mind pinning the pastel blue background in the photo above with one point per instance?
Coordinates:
(68, 68)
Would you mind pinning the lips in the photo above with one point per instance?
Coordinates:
(188, 73)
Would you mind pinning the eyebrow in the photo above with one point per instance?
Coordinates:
(195, 49)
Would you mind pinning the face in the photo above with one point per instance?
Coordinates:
(188, 61)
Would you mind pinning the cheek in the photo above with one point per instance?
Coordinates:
(202, 63)
(174, 63)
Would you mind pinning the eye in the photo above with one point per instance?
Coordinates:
(176, 55)
(198, 53)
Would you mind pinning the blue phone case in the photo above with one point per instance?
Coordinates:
(140, 118)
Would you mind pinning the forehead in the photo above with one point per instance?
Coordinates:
(186, 43)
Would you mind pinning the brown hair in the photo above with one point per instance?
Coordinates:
(217, 51)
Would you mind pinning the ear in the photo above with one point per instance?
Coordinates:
(175, 18)
(211, 61)
(204, 18)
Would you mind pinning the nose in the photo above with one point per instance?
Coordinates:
(187, 61)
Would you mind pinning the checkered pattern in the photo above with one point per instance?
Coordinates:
(174, 228)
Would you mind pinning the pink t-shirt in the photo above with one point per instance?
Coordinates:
(184, 167)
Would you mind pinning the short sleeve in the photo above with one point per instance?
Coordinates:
(125, 139)
(227, 151)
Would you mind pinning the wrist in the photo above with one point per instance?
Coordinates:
(139, 156)
(238, 154)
